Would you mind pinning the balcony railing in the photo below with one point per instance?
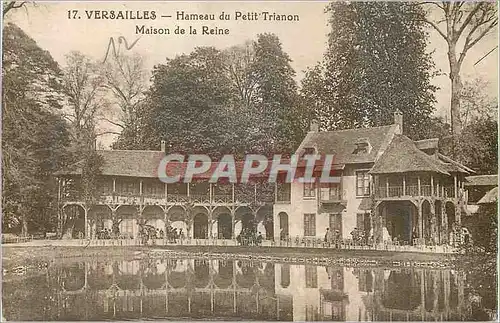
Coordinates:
(199, 198)
(412, 190)
(331, 195)
(283, 197)
(222, 199)
(177, 198)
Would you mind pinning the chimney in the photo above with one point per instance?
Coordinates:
(398, 119)
(314, 126)
(163, 143)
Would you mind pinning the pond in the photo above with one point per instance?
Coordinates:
(213, 289)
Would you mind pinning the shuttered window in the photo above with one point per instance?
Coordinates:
(309, 224)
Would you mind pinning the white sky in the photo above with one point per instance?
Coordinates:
(304, 41)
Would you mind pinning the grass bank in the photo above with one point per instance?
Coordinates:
(15, 255)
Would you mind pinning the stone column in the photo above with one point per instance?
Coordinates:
(233, 222)
(210, 219)
(420, 220)
(86, 228)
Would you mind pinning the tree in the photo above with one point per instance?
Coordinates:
(476, 103)
(238, 101)
(464, 23)
(376, 62)
(478, 148)
(239, 61)
(189, 97)
(125, 79)
(83, 86)
(34, 135)
(282, 116)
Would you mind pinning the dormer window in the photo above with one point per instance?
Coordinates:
(308, 151)
(362, 146)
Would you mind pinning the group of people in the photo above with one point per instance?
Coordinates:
(249, 237)
(332, 237)
(358, 236)
(106, 233)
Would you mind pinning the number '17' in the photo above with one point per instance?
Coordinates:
(72, 14)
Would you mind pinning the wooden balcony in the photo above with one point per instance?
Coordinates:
(331, 196)
(401, 192)
(283, 197)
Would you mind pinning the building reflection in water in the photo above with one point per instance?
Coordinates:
(223, 289)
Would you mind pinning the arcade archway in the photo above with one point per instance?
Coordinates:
(224, 226)
(450, 214)
(200, 225)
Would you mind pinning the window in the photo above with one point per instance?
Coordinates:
(331, 192)
(309, 151)
(335, 193)
(311, 276)
(310, 225)
(336, 223)
(309, 190)
(362, 183)
(362, 146)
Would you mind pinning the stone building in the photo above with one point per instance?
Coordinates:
(391, 188)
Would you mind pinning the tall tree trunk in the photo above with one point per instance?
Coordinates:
(456, 89)
(24, 222)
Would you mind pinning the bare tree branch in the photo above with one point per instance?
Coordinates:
(436, 27)
(12, 5)
(468, 19)
(112, 122)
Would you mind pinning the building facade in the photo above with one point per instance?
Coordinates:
(391, 188)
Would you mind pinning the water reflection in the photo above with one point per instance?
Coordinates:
(224, 289)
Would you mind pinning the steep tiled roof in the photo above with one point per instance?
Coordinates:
(490, 197)
(342, 143)
(482, 180)
(144, 163)
(453, 166)
(137, 163)
(403, 156)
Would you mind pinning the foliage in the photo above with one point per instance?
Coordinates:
(83, 86)
(34, 135)
(478, 146)
(189, 98)
(91, 169)
(238, 101)
(480, 262)
(376, 62)
(278, 101)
